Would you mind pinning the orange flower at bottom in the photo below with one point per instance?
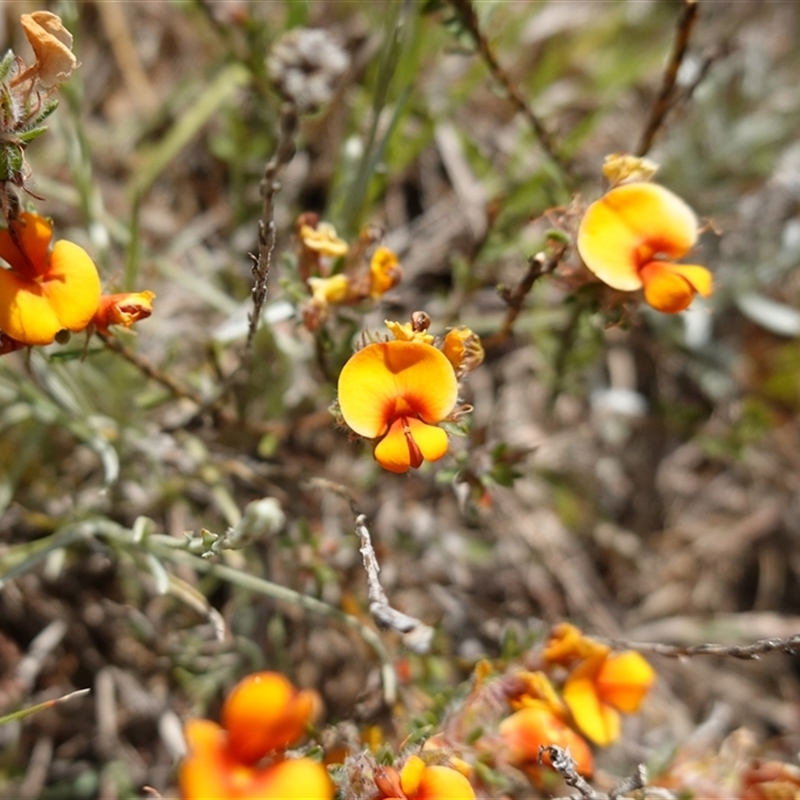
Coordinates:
(629, 237)
(244, 757)
(397, 392)
(44, 291)
(417, 781)
(211, 772)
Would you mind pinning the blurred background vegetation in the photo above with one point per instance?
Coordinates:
(639, 479)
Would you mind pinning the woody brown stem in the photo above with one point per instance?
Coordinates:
(466, 12)
(666, 97)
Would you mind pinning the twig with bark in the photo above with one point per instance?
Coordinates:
(269, 188)
(749, 652)
(538, 265)
(667, 97)
(466, 12)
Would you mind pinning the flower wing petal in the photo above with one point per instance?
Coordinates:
(25, 312)
(443, 783)
(666, 289)
(394, 451)
(624, 680)
(599, 722)
(72, 285)
(699, 278)
(294, 779)
(205, 772)
(431, 441)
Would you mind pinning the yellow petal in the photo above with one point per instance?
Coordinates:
(443, 783)
(407, 333)
(329, 290)
(296, 779)
(72, 285)
(323, 239)
(665, 289)
(624, 680)
(385, 272)
(264, 712)
(624, 229)
(411, 774)
(407, 443)
(205, 772)
(598, 721)
(568, 644)
(26, 249)
(25, 312)
(698, 277)
(382, 375)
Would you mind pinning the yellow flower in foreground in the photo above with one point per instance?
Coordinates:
(629, 237)
(244, 757)
(44, 291)
(122, 309)
(397, 392)
(417, 781)
(601, 685)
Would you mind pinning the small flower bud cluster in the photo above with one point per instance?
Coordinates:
(305, 65)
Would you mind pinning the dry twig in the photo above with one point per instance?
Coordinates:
(563, 763)
(466, 12)
(748, 652)
(538, 265)
(417, 636)
(269, 187)
(666, 97)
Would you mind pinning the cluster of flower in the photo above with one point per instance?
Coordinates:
(319, 248)
(595, 685)
(576, 689)
(46, 291)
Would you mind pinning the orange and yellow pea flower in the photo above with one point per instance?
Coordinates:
(630, 237)
(600, 684)
(44, 291)
(122, 309)
(244, 758)
(323, 239)
(397, 392)
(418, 781)
(385, 272)
(536, 726)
